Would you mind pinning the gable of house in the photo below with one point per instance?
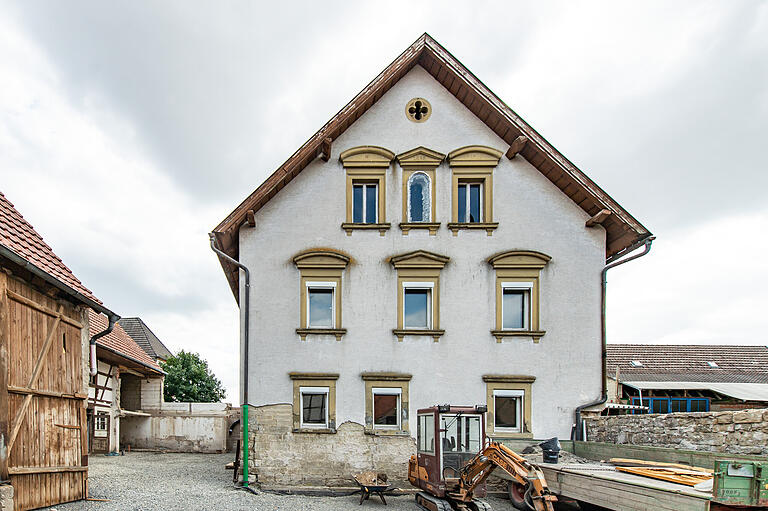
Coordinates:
(623, 232)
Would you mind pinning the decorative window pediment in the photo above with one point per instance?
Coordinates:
(475, 156)
(519, 259)
(321, 259)
(419, 259)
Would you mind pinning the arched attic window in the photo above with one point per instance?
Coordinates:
(419, 198)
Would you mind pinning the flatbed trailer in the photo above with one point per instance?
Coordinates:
(602, 485)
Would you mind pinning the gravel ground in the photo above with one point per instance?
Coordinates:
(148, 481)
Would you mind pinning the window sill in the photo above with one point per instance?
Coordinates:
(502, 436)
(536, 335)
(349, 227)
(432, 226)
(387, 432)
(304, 332)
(401, 333)
(317, 431)
(488, 227)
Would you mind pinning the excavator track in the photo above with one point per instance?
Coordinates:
(427, 501)
(480, 505)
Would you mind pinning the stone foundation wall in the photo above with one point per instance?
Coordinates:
(735, 432)
(282, 458)
(6, 497)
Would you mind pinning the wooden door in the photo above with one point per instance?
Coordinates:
(46, 415)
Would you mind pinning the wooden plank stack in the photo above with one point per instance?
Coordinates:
(672, 472)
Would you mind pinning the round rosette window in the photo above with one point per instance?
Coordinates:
(418, 110)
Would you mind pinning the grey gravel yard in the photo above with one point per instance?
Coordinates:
(148, 481)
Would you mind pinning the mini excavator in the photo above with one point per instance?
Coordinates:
(453, 461)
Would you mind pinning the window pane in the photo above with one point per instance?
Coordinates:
(321, 308)
(370, 204)
(416, 302)
(461, 433)
(679, 405)
(513, 308)
(427, 433)
(357, 204)
(384, 410)
(474, 203)
(313, 408)
(462, 199)
(417, 201)
(505, 412)
(660, 406)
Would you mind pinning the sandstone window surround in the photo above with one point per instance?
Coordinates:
(518, 283)
(419, 189)
(418, 274)
(513, 392)
(472, 188)
(320, 289)
(314, 395)
(386, 387)
(366, 168)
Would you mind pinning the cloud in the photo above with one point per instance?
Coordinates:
(129, 129)
(704, 285)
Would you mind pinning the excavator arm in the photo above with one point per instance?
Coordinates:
(497, 456)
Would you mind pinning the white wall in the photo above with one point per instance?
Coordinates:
(532, 214)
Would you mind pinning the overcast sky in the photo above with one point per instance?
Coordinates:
(128, 130)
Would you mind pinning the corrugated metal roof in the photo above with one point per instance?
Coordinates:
(18, 235)
(669, 363)
(743, 391)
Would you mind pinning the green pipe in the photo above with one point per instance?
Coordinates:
(245, 445)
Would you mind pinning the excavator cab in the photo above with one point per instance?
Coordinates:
(453, 460)
(447, 438)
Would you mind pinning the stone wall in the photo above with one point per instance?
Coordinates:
(282, 458)
(736, 432)
(6, 497)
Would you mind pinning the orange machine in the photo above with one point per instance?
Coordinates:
(453, 462)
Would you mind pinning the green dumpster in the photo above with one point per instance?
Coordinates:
(741, 483)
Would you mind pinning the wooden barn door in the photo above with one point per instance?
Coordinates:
(46, 415)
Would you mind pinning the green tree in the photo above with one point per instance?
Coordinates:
(188, 378)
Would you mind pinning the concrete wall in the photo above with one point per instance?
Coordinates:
(179, 427)
(532, 214)
(282, 458)
(739, 432)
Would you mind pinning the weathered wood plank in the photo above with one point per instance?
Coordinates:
(45, 470)
(49, 393)
(32, 379)
(42, 308)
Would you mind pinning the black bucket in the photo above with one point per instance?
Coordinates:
(550, 450)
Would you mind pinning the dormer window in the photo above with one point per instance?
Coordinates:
(636, 363)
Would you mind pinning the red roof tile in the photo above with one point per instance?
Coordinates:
(18, 235)
(118, 340)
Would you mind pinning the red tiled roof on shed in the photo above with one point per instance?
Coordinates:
(118, 340)
(18, 235)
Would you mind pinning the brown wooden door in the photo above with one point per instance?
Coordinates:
(46, 424)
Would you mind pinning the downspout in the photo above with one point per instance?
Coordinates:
(112, 321)
(578, 430)
(244, 404)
